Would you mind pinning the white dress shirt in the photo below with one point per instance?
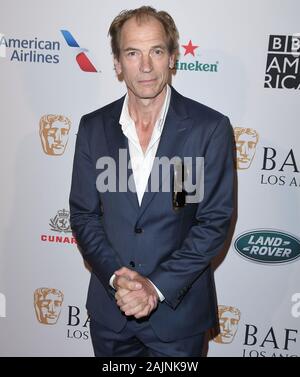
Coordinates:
(141, 162)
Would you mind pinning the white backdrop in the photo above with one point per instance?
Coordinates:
(233, 37)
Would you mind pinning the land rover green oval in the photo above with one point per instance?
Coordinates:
(268, 246)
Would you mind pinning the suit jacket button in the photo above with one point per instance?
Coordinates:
(132, 264)
(138, 230)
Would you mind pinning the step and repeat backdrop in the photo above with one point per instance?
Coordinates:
(239, 57)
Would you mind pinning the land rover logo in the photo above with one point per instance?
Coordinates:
(268, 246)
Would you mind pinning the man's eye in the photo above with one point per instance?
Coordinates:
(158, 52)
(132, 53)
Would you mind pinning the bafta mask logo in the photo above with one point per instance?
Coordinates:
(54, 134)
(229, 318)
(61, 222)
(47, 305)
(246, 140)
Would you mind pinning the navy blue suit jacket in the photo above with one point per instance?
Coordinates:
(172, 248)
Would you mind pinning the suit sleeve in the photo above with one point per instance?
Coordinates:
(175, 275)
(85, 213)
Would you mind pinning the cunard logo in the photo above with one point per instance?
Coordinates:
(61, 222)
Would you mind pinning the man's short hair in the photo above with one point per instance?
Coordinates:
(142, 14)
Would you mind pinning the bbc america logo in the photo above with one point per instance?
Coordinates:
(282, 70)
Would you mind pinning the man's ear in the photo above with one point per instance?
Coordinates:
(171, 61)
(118, 67)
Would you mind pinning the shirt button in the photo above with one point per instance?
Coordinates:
(132, 264)
(138, 230)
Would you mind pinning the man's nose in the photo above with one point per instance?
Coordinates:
(146, 64)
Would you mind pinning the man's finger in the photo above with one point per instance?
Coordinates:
(124, 282)
(120, 293)
(126, 271)
(154, 302)
(143, 313)
(132, 303)
(136, 309)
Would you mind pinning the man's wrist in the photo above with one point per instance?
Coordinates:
(161, 297)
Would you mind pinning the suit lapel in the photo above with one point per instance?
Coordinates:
(117, 142)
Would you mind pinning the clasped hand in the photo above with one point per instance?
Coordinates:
(135, 294)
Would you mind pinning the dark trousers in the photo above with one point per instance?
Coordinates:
(137, 339)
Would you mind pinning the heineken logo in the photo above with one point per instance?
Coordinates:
(193, 60)
(268, 246)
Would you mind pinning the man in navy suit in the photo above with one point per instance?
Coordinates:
(151, 291)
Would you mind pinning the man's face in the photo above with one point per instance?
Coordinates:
(55, 138)
(49, 308)
(144, 58)
(228, 326)
(245, 147)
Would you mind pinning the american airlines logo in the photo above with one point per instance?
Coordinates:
(82, 59)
